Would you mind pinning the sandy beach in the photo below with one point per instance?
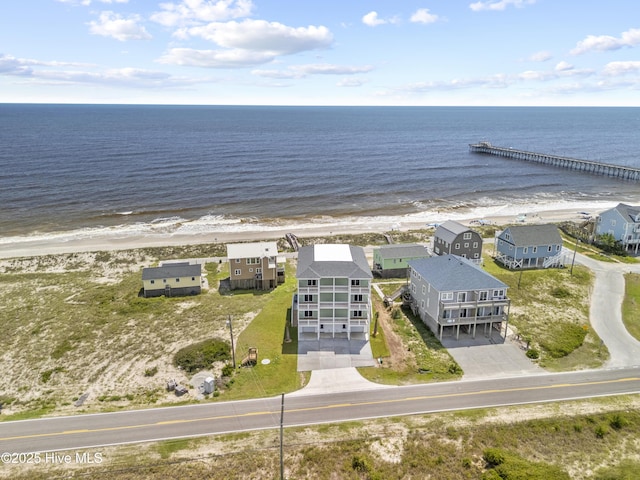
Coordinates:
(63, 243)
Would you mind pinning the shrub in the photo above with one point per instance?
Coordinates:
(533, 353)
(617, 421)
(202, 354)
(360, 464)
(150, 372)
(601, 431)
(560, 292)
(563, 338)
(494, 456)
(227, 370)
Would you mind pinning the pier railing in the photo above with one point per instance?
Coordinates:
(596, 168)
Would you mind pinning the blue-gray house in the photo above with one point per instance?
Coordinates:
(623, 222)
(530, 246)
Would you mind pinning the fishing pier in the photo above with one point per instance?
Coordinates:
(596, 168)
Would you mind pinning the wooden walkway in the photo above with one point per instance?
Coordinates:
(596, 168)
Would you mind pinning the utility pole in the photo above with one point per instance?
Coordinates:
(233, 350)
(574, 257)
(281, 437)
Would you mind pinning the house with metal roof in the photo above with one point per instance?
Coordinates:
(530, 246)
(333, 299)
(623, 222)
(172, 280)
(392, 261)
(452, 295)
(453, 238)
(255, 265)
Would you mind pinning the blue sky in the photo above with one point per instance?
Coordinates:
(321, 52)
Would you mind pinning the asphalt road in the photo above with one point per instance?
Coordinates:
(93, 431)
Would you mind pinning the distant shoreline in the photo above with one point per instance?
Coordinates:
(11, 247)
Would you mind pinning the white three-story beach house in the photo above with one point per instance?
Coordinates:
(334, 292)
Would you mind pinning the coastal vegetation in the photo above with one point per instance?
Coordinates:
(631, 304)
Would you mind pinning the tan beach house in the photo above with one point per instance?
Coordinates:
(255, 266)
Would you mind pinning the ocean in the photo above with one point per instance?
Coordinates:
(78, 171)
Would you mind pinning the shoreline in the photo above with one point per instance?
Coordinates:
(15, 247)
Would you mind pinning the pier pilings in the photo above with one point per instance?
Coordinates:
(596, 168)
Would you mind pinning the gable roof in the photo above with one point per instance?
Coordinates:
(252, 250)
(408, 250)
(533, 235)
(450, 273)
(449, 230)
(629, 212)
(169, 270)
(332, 260)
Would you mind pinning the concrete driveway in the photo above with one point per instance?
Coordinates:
(330, 353)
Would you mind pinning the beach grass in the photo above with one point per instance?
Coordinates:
(631, 304)
(550, 310)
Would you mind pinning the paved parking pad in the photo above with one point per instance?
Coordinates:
(489, 358)
(329, 353)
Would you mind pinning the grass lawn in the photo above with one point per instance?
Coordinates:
(550, 308)
(631, 304)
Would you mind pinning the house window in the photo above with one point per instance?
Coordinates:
(467, 236)
(357, 298)
(152, 282)
(355, 283)
(476, 255)
(507, 236)
(498, 293)
(613, 223)
(424, 289)
(446, 314)
(193, 279)
(464, 255)
(251, 270)
(464, 313)
(457, 247)
(238, 271)
(466, 244)
(446, 296)
(422, 304)
(475, 244)
(258, 270)
(164, 280)
(525, 250)
(238, 260)
(462, 296)
(356, 314)
(535, 249)
(549, 248)
(557, 248)
(308, 298)
(484, 296)
(308, 313)
(413, 287)
(311, 283)
(500, 242)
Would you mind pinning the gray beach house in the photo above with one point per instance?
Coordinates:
(530, 246)
(172, 280)
(452, 295)
(456, 239)
(623, 222)
(334, 292)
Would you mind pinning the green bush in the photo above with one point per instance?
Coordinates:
(560, 292)
(202, 354)
(150, 372)
(533, 353)
(601, 431)
(563, 338)
(227, 370)
(617, 421)
(507, 465)
(494, 456)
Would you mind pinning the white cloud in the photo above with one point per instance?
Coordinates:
(615, 69)
(603, 43)
(10, 65)
(263, 36)
(499, 5)
(541, 56)
(422, 15)
(233, 58)
(198, 11)
(372, 19)
(301, 71)
(351, 82)
(121, 28)
(563, 66)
